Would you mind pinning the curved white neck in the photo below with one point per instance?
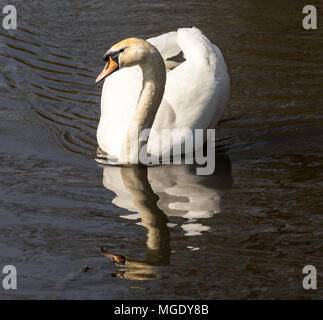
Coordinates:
(153, 86)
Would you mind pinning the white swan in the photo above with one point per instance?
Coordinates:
(191, 95)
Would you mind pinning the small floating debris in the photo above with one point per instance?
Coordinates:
(193, 248)
(86, 268)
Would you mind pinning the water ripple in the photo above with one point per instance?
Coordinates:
(61, 91)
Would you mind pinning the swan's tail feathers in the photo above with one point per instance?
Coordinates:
(195, 45)
(166, 44)
(220, 58)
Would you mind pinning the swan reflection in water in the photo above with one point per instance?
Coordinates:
(156, 193)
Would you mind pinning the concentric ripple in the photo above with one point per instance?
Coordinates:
(60, 93)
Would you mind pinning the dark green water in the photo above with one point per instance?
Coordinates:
(245, 232)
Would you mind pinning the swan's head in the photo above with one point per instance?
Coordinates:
(126, 53)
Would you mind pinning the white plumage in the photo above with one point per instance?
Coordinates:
(196, 92)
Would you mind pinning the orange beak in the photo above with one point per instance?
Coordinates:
(109, 68)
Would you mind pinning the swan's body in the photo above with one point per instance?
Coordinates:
(194, 96)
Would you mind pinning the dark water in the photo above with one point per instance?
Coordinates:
(245, 232)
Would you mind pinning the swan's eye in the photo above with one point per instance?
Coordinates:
(121, 50)
(115, 55)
